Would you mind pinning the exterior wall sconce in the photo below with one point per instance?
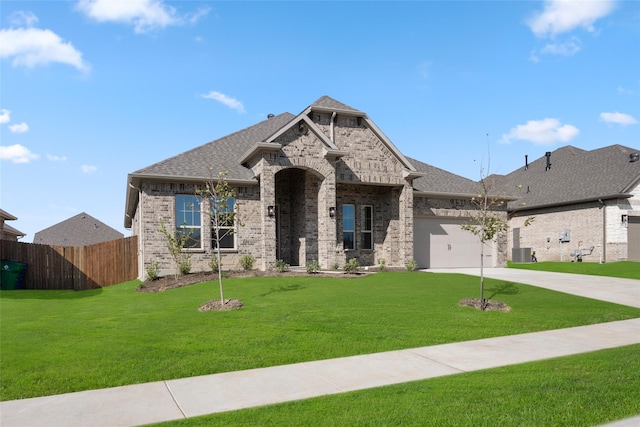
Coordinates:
(332, 212)
(271, 211)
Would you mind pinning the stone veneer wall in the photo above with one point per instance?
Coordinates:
(158, 202)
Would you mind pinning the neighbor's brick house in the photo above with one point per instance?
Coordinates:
(325, 184)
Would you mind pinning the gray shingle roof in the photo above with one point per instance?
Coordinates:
(79, 230)
(575, 175)
(219, 155)
(440, 181)
(330, 103)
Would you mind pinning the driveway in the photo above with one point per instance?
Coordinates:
(611, 289)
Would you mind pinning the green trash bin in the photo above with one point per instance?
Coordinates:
(11, 274)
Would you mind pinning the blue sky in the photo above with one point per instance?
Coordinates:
(92, 90)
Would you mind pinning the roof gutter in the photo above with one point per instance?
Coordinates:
(133, 188)
(587, 200)
(443, 195)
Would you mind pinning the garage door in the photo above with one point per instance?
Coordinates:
(441, 243)
(633, 238)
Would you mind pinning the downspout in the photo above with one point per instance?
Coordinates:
(331, 130)
(141, 235)
(603, 206)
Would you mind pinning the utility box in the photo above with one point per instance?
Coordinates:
(520, 255)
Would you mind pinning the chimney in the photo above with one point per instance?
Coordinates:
(526, 162)
(548, 156)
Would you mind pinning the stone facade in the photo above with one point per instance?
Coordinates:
(302, 183)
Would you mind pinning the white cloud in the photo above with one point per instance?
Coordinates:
(565, 49)
(5, 116)
(31, 47)
(53, 158)
(542, 132)
(561, 16)
(624, 91)
(618, 118)
(17, 154)
(89, 168)
(232, 103)
(23, 18)
(19, 128)
(144, 15)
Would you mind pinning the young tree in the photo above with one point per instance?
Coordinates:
(176, 242)
(486, 224)
(220, 197)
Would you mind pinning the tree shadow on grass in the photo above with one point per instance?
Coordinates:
(504, 288)
(294, 287)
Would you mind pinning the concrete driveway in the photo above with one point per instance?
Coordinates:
(611, 289)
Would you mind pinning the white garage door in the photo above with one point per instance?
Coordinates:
(441, 243)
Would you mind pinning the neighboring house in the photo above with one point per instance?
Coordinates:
(7, 232)
(79, 230)
(582, 201)
(325, 184)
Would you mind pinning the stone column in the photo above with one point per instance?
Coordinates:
(327, 231)
(406, 222)
(268, 198)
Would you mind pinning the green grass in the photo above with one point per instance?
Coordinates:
(623, 269)
(583, 390)
(55, 342)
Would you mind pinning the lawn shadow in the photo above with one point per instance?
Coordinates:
(50, 294)
(503, 288)
(294, 287)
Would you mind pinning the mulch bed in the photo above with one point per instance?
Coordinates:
(490, 305)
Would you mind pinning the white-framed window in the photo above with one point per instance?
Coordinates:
(367, 227)
(348, 227)
(189, 220)
(226, 224)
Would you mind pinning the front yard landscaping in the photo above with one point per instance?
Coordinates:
(63, 341)
(623, 269)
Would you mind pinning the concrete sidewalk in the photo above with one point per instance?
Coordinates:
(188, 397)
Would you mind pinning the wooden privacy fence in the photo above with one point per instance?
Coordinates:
(77, 268)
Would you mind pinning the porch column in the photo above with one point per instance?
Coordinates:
(406, 222)
(268, 198)
(327, 231)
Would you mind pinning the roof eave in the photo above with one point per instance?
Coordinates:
(571, 202)
(133, 188)
(258, 148)
(444, 195)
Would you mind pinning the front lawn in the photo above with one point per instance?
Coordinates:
(63, 341)
(623, 269)
(583, 390)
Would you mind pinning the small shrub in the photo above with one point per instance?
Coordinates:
(351, 266)
(282, 266)
(246, 262)
(313, 267)
(382, 264)
(412, 265)
(336, 266)
(153, 271)
(213, 264)
(185, 266)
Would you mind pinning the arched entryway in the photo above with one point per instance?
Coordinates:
(297, 216)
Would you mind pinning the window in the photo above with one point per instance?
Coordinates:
(348, 226)
(226, 225)
(367, 227)
(189, 220)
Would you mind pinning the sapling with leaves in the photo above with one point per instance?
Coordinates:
(220, 197)
(177, 241)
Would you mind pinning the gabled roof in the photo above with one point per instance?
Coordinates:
(79, 230)
(6, 215)
(440, 182)
(232, 152)
(575, 175)
(10, 231)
